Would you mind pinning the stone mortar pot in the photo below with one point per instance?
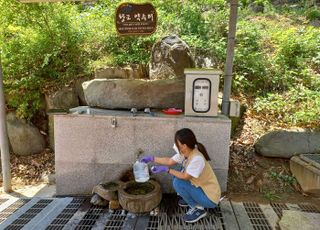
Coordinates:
(108, 191)
(143, 202)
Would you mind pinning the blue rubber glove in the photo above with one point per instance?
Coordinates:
(159, 169)
(147, 159)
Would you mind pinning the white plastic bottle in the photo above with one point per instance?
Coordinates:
(140, 172)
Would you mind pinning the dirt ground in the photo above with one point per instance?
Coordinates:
(253, 177)
(31, 170)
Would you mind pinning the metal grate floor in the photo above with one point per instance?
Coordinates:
(12, 209)
(25, 218)
(2, 201)
(116, 220)
(78, 213)
(278, 208)
(89, 219)
(308, 208)
(171, 217)
(62, 219)
(256, 216)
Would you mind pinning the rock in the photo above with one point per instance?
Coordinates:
(108, 191)
(63, 99)
(296, 220)
(169, 57)
(257, 7)
(126, 94)
(97, 200)
(205, 62)
(286, 144)
(79, 91)
(128, 72)
(24, 137)
(114, 204)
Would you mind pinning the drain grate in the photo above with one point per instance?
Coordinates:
(308, 208)
(29, 215)
(90, 218)
(12, 208)
(217, 212)
(171, 218)
(153, 223)
(256, 216)
(116, 220)
(62, 219)
(278, 208)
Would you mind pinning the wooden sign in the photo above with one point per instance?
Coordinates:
(136, 19)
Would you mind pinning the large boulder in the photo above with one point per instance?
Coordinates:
(79, 91)
(25, 138)
(286, 144)
(169, 57)
(63, 99)
(126, 94)
(127, 72)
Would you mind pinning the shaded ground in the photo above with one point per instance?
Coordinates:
(31, 170)
(258, 178)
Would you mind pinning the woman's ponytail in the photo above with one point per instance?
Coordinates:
(203, 150)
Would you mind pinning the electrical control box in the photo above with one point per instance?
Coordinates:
(201, 94)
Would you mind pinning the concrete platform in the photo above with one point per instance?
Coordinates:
(97, 145)
(306, 169)
(77, 213)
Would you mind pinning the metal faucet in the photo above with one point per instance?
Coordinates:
(138, 153)
(134, 111)
(148, 110)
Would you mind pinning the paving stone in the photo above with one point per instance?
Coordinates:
(296, 220)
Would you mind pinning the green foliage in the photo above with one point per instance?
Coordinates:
(277, 57)
(270, 195)
(287, 179)
(279, 64)
(39, 42)
(313, 14)
(246, 3)
(298, 106)
(249, 58)
(23, 94)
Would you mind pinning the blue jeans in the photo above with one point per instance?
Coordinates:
(191, 194)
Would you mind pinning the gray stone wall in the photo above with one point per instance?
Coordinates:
(89, 150)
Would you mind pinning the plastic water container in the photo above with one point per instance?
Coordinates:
(141, 172)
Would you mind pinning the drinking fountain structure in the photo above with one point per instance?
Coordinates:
(94, 145)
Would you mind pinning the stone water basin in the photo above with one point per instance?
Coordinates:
(140, 197)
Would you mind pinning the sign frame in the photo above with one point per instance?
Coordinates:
(123, 27)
